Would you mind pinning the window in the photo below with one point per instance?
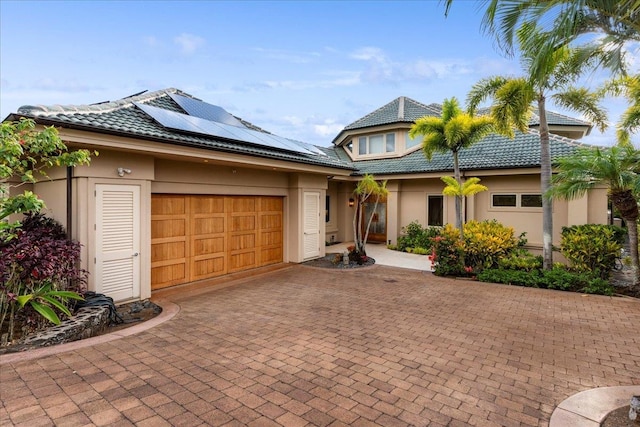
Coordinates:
(377, 144)
(412, 142)
(391, 142)
(362, 145)
(504, 200)
(516, 200)
(531, 200)
(350, 147)
(327, 215)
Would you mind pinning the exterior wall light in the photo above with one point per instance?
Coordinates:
(352, 203)
(122, 171)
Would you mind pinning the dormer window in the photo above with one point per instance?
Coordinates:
(377, 144)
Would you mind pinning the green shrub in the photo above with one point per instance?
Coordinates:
(520, 259)
(556, 278)
(416, 236)
(486, 242)
(592, 247)
(510, 277)
(421, 251)
(448, 253)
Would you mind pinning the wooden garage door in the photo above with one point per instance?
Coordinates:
(198, 237)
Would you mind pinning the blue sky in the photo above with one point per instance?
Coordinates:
(302, 70)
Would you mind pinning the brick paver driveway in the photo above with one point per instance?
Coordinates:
(375, 346)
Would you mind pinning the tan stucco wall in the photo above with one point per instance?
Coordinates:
(178, 176)
(299, 183)
(55, 195)
(331, 227)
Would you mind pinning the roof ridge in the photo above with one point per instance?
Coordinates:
(564, 139)
(375, 111)
(100, 108)
(401, 108)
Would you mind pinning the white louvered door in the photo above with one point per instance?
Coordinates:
(118, 241)
(311, 226)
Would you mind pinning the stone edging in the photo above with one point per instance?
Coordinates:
(85, 323)
(590, 407)
(169, 310)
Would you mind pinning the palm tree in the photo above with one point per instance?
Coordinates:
(616, 21)
(453, 131)
(511, 109)
(367, 189)
(629, 87)
(470, 187)
(618, 167)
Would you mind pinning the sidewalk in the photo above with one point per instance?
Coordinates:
(384, 256)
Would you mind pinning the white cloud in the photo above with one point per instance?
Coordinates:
(189, 43)
(370, 54)
(328, 128)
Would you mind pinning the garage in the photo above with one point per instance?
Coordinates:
(195, 237)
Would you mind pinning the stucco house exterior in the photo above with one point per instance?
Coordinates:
(379, 144)
(184, 191)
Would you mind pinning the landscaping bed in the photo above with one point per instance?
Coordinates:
(87, 322)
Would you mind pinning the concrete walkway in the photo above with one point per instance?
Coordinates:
(377, 346)
(384, 256)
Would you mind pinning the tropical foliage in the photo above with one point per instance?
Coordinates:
(38, 264)
(511, 108)
(618, 168)
(565, 22)
(452, 132)
(368, 190)
(592, 247)
(26, 154)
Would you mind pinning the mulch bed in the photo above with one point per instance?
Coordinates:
(620, 418)
(329, 261)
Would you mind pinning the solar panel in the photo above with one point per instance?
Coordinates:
(186, 123)
(205, 110)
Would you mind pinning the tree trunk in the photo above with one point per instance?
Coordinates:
(458, 199)
(627, 205)
(632, 229)
(545, 183)
(366, 234)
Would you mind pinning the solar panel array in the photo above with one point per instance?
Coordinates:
(211, 120)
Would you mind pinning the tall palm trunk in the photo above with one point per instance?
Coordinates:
(458, 199)
(545, 184)
(627, 205)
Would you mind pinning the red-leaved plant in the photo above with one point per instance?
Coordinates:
(38, 266)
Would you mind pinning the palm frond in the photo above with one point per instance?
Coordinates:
(483, 89)
(630, 119)
(450, 109)
(584, 101)
(471, 186)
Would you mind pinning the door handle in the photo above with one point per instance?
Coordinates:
(135, 254)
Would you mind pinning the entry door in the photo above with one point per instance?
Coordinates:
(118, 241)
(378, 229)
(435, 210)
(311, 226)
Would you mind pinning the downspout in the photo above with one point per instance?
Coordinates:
(69, 202)
(465, 203)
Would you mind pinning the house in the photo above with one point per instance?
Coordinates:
(379, 144)
(183, 191)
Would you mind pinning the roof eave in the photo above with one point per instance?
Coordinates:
(45, 122)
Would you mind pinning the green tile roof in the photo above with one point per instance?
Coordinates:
(407, 110)
(123, 118)
(493, 152)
